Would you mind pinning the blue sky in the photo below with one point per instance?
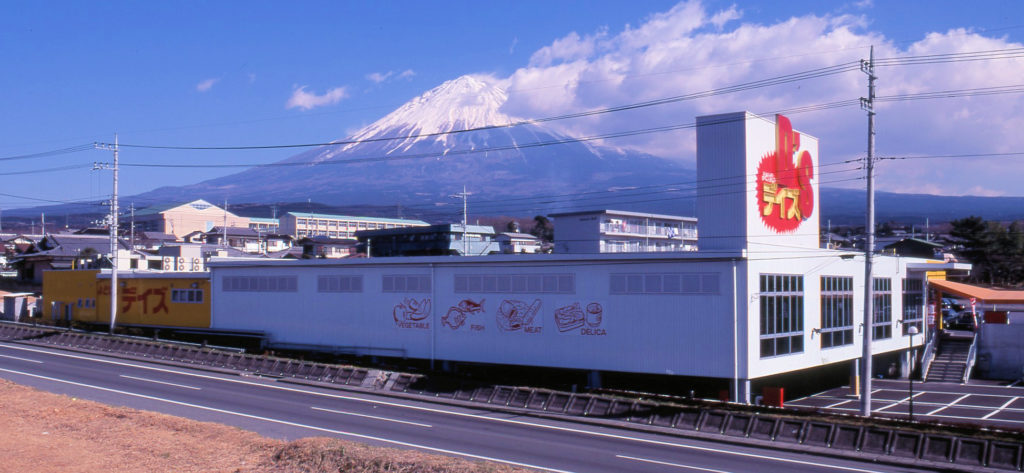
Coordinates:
(254, 73)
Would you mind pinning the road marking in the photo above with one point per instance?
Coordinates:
(677, 465)
(288, 423)
(160, 382)
(961, 398)
(990, 414)
(1013, 384)
(844, 401)
(20, 358)
(901, 401)
(371, 417)
(461, 414)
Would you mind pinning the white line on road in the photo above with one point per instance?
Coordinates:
(961, 398)
(160, 382)
(677, 465)
(454, 413)
(292, 424)
(844, 401)
(370, 417)
(1004, 406)
(20, 358)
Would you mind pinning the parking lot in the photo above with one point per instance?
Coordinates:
(980, 402)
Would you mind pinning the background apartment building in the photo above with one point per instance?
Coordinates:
(616, 231)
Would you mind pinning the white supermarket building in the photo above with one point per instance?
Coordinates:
(759, 298)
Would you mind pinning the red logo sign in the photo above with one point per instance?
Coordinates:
(785, 197)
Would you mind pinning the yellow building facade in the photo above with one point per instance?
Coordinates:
(155, 299)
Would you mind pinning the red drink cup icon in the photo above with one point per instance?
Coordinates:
(594, 313)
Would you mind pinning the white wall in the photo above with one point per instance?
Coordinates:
(665, 334)
(1001, 351)
(813, 267)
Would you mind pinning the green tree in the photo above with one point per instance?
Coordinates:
(997, 252)
(543, 228)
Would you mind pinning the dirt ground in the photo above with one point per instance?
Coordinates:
(43, 432)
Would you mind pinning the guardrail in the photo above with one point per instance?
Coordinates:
(959, 449)
(971, 357)
(929, 353)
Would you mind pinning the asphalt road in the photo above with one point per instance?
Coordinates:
(289, 411)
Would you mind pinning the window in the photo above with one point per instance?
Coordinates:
(516, 283)
(836, 311)
(881, 317)
(261, 283)
(913, 305)
(405, 283)
(782, 315)
(300, 221)
(664, 283)
(339, 283)
(188, 296)
(200, 205)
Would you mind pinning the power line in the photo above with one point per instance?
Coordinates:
(45, 154)
(784, 79)
(517, 146)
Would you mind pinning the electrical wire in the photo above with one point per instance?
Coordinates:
(784, 79)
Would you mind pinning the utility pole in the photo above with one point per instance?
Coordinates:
(224, 231)
(465, 219)
(133, 227)
(42, 223)
(868, 104)
(113, 230)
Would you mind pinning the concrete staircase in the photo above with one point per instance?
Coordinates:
(950, 360)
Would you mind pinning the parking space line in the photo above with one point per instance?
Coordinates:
(961, 398)
(844, 401)
(990, 414)
(894, 404)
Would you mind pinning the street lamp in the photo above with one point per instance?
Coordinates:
(912, 330)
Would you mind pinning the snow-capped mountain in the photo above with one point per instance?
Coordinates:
(417, 155)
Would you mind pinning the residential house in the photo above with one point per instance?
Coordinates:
(512, 242)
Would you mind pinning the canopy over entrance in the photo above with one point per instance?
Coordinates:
(986, 294)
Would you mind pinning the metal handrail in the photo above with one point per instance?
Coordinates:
(929, 353)
(971, 356)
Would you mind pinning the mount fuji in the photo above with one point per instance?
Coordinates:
(417, 156)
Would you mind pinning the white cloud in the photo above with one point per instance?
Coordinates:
(206, 85)
(690, 49)
(381, 77)
(721, 18)
(512, 47)
(307, 100)
(377, 77)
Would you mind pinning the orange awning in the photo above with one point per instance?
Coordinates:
(982, 294)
